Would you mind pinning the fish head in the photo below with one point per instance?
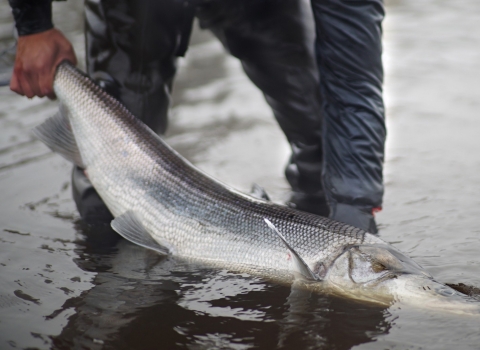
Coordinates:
(380, 273)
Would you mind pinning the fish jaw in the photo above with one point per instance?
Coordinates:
(409, 291)
(427, 293)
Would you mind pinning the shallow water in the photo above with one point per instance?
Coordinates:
(65, 285)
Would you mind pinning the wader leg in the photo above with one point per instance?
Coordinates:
(131, 49)
(274, 42)
(348, 49)
(134, 44)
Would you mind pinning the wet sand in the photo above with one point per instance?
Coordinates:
(64, 285)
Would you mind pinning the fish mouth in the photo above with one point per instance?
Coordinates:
(428, 293)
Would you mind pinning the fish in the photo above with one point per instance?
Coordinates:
(162, 202)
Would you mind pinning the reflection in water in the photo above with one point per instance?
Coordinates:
(318, 321)
(142, 300)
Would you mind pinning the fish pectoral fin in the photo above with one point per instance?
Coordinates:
(259, 192)
(56, 133)
(300, 265)
(129, 227)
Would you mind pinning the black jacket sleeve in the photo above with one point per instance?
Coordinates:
(32, 16)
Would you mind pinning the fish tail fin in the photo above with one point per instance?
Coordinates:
(56, 133)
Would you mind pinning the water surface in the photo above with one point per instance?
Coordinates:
(65, 285)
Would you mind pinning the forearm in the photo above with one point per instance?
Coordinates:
(32, 16)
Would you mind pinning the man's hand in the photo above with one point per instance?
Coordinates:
(38, 55)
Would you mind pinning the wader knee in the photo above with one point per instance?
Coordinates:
(274, 41)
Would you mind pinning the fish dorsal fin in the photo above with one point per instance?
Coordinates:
(57, 134)
(129, 227)
(259, 192)
(300, 265)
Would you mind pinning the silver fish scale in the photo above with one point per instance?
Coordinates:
(183, 209)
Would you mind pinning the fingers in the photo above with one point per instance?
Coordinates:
(26, 88)
(31, 87)
(45, 83)
(31, 82)
(19, 82)
(15, 84)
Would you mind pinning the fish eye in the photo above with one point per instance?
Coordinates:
(378, 267)
(364, 268)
